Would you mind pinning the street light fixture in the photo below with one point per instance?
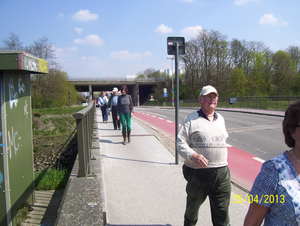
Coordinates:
(172, 58)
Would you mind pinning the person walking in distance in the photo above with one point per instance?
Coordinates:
(202, 143)
(112, 106)
(125, 112)
(103, 102)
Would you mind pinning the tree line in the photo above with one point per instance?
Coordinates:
(235, 68)
(47, 90)
(240, 68)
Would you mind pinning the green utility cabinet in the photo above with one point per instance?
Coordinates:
(16, 155)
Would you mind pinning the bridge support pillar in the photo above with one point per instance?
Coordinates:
(90, 93)
(135, 95)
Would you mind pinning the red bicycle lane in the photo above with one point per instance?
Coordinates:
(243, 166)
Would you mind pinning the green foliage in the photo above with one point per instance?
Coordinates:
(259, 76)
(51, 179)
(53, 125)
(140, 77)
(53, 90)
(211, 60)
(56, 126)
(296, 84)
(53, 130)
(187, 93)
(237, 82)
(59, 110)
(284, 73)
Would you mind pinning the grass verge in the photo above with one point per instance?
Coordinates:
(54, 146)
(51, 179)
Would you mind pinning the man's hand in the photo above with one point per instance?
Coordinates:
(200, 160)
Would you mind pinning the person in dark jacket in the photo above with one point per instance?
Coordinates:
(112, 104)
(125, 112)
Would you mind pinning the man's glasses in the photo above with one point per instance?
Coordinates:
(211, 97)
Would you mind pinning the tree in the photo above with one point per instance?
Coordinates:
(206, 60)
(259, 78)
(53, 91)
(43, 49)
(237, 52)
(148, 71)
(283, 73)
(220, 57)
(192, 64)
(294, 52)
(12, 42)
(237, 82)
(140, 77)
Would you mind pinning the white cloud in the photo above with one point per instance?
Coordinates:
(83, 66)
(270, 19)
(66, 52)
(163, 29)
(84, 15)
(284, 23)
(90, 40)
(126, 55)
(244, 2)
(191, 31)
(78, 30)
(61, 15)
(188, 0)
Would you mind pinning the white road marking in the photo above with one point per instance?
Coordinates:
(259, 159)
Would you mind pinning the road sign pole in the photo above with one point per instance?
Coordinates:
(177, 102)
(176, 46)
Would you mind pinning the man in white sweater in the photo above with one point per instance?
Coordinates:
(202, 143)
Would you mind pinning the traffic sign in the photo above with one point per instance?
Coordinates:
(171, 45)
(165, 92)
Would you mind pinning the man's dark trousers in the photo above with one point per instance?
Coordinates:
(116, 122)
(211, 182)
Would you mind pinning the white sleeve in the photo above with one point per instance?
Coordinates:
(183, 141)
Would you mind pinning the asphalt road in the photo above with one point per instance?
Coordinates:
(259, 135)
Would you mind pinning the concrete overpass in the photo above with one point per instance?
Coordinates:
(139, 89)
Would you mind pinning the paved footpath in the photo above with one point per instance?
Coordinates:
(143, 186)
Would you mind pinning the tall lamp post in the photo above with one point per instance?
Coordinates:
(172, 58)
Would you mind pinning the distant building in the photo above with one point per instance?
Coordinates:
(169, 72)
(130, 77)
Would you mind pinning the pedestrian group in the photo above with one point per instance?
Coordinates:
(121, 108)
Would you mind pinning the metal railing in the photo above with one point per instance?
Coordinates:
(117, 79)
(266, 102)
(255, 102)
(85, 123)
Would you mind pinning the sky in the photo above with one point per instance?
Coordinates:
(115, 38)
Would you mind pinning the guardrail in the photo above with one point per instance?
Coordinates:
(85, 122)
(256, 102)
(117, 79)
(82, 183)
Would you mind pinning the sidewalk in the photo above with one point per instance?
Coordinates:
(143, 186)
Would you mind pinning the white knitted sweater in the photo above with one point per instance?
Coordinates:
(199, 134)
